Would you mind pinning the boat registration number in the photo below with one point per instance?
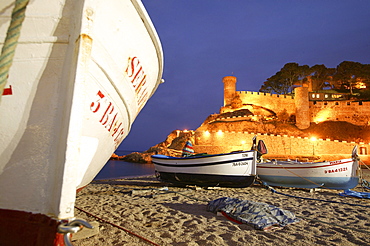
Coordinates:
(109, 117)
(240, 163)
(337, 170)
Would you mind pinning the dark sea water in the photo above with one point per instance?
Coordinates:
(115, 169)
(120, 169)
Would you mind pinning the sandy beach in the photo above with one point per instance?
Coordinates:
(178, 216)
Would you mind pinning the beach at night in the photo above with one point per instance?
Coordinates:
(145, 211)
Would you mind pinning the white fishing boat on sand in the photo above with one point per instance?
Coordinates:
(340, 174)
(235, 169)
(73, 77)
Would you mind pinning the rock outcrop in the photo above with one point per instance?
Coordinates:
(172, 146)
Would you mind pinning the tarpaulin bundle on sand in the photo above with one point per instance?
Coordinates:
(261, 216)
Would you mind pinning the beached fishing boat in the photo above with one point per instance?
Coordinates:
(74, 76)
(235, 169)
(339, 174)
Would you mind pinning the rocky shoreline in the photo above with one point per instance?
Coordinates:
(172, 146)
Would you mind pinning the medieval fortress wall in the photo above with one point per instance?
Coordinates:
(268, 100)
(279, 146)
(306, 112)
(357, 113)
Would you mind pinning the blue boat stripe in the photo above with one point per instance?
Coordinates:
(201, 164)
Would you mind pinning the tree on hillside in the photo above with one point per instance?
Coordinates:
(347, 76)
(275, 83)
(321, 76)
(282, 82)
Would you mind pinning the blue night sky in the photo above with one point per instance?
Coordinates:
(205, 40)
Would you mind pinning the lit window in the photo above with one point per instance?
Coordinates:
(326, 95)
(363, 151)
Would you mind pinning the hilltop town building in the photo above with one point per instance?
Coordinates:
(305, 106)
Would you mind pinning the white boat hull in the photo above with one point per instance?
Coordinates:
(81, 73)
(235, 169)
(340, 174)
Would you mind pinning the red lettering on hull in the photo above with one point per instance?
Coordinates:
(137, 76)
(341, 169)
(108, 117)
(8, 91)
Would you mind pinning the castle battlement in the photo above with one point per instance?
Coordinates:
(220, 132)
(344, 103)
(265, 94)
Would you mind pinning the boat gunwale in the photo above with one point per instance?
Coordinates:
(165, 157)
(149, 25)
(307, 166)
(202, 164)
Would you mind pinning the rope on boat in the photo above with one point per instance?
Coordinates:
(117, 226)
(364, 183)
(319, 185)
(11, 41)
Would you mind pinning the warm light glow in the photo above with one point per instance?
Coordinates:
(206, 133)
(323, 115)
(220, 133)
(185, 130)
(243, 142)
(313, 139)
(359, 84)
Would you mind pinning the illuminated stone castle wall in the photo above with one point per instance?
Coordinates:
(284, 146)
(279, 146)
(267, 100)
(357, 113)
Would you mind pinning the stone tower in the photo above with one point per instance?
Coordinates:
(302, 107)
(229, 89)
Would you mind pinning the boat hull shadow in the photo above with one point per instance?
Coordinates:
(207, 180)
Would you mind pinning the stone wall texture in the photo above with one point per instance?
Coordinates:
(279, 146)
(357, 113)
(268, 100)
